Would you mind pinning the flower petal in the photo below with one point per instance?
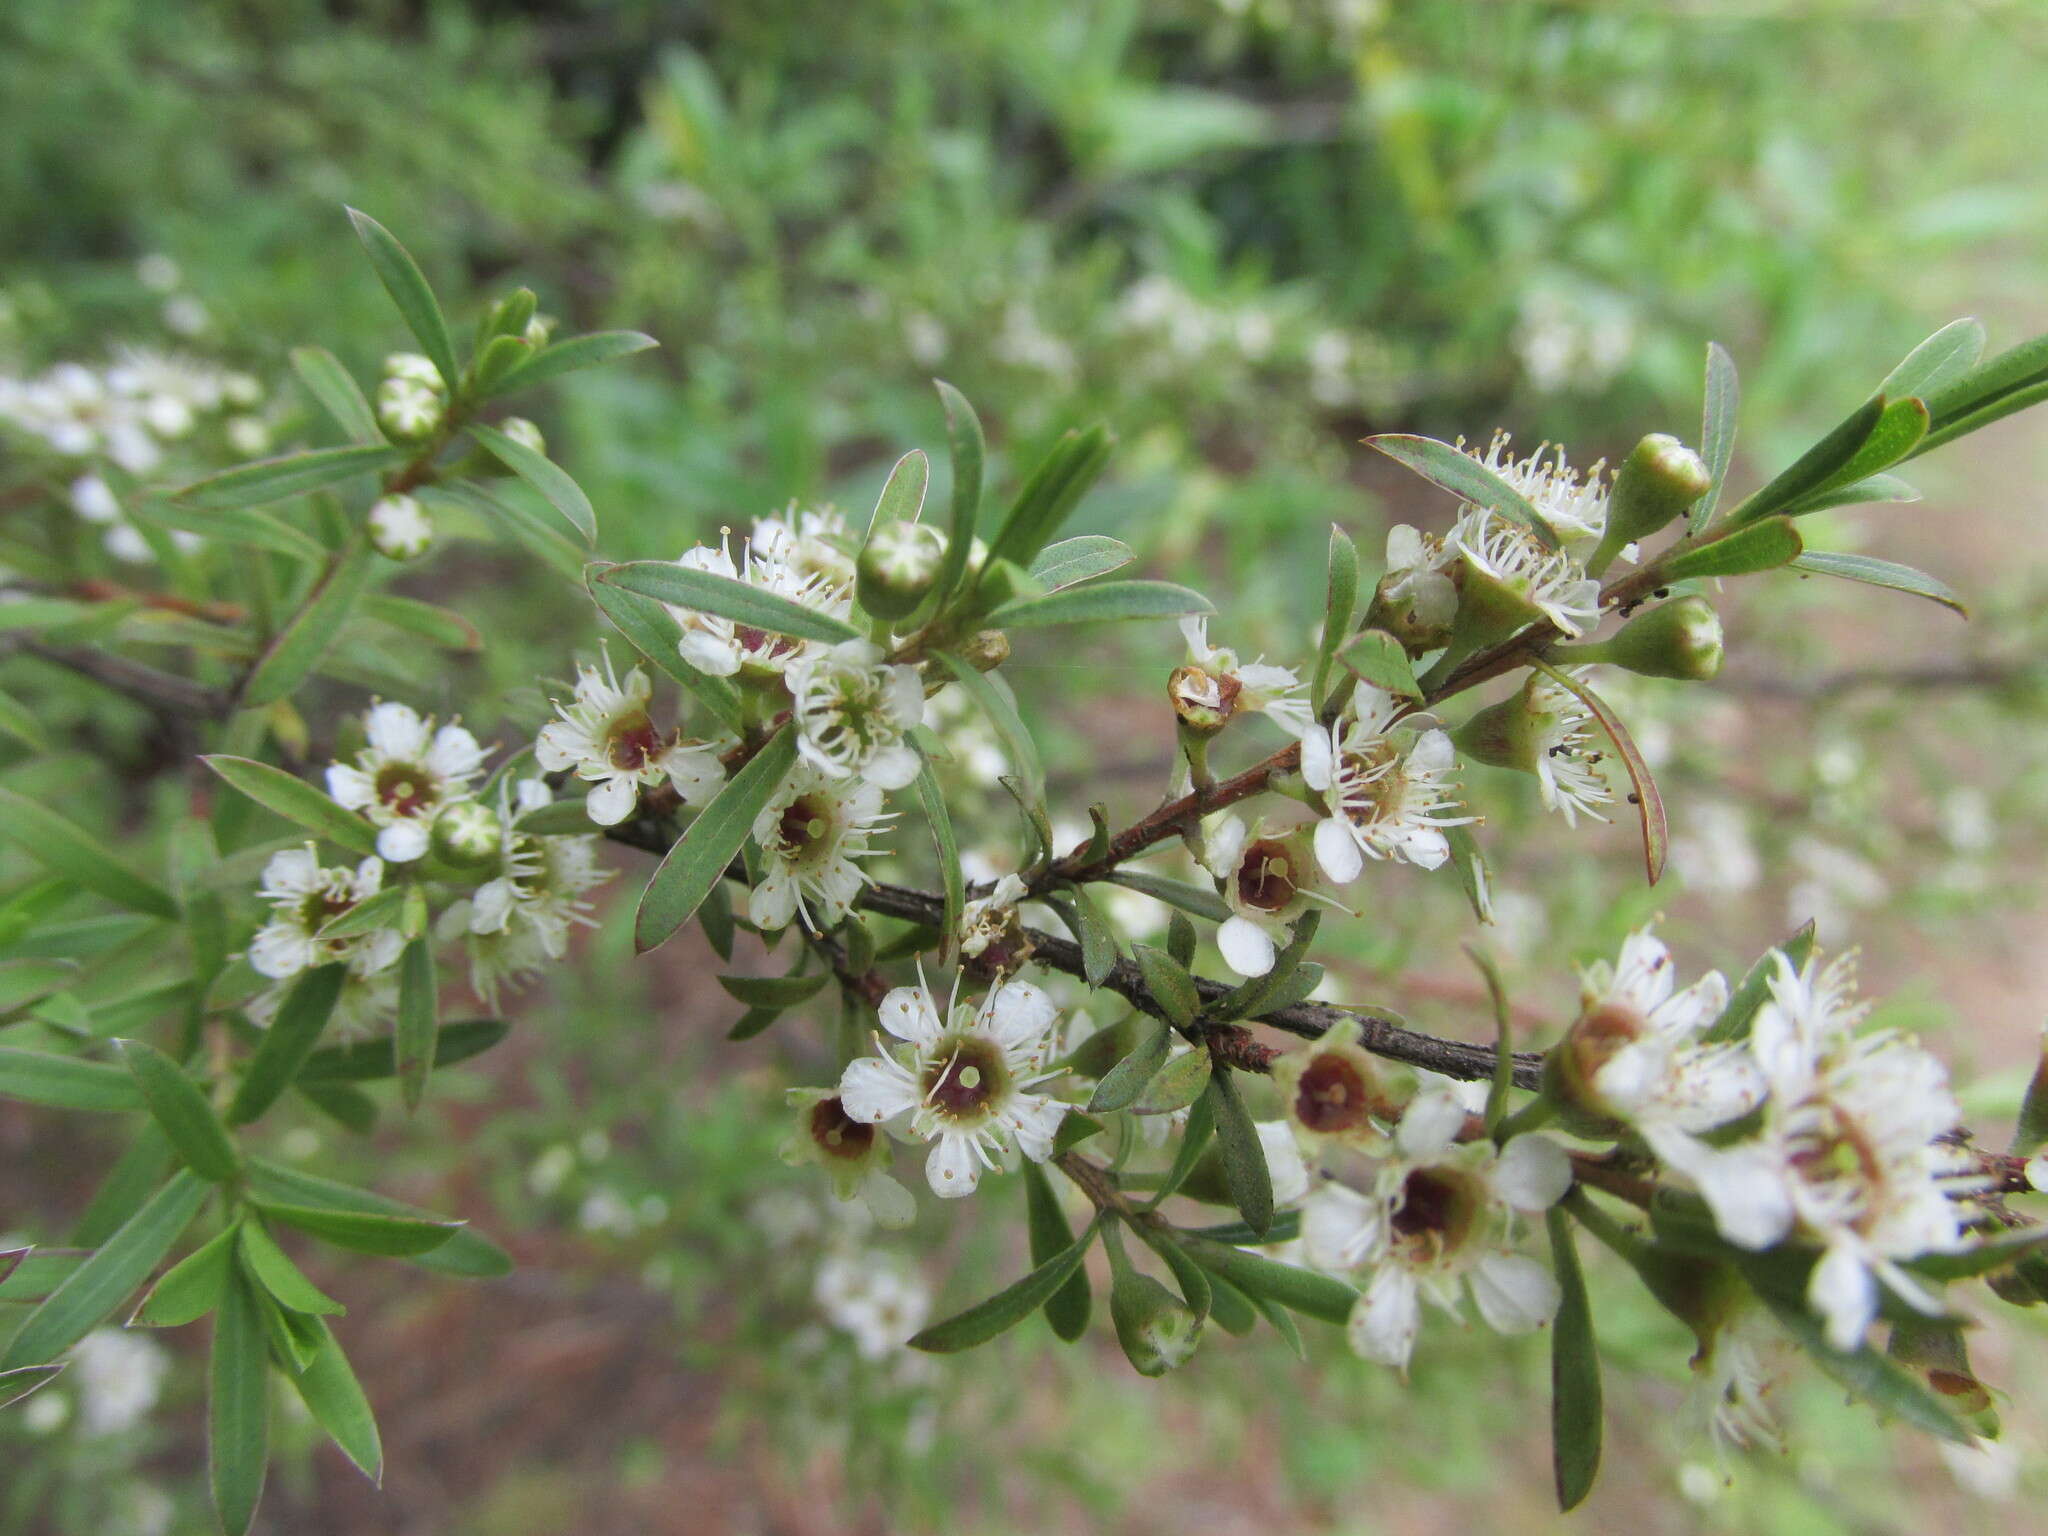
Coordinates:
(1532, 1174)
(1384, 1321)
(1336, 851)
(1247, 948)
(953, 1169)
(1514, 1293)
(873, 1090)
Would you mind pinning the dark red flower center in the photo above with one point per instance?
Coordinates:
(633, 742)
(405, 789)
(837, 1133)
(1332, 1096)
(1265, 877)
(965, 1077)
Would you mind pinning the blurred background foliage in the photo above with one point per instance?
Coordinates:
(1246, 233)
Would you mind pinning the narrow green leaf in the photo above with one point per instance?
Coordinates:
(1066, 1309)
(1735, 1018)
(466, 1252)
(363, 1061)
(407, 285)
(902, 498)
(385, 909)
(1244, 1155)
(967, 449)
(577, 352)
(1075, 1128)
(1871, 488)
(195, 1131)
(24, 981)
(136, 1176)
(1340, 602)
(1760, 546)
(1814, 466)
(1575, 1411)
(1050, 495)
(1866, 1374)
(544, 475)
(1169, 983)
(1096, 937)
(1078, 559)
(1464, 477)
(363, 1232)
(1301, 1290)
(775, 991)
(1175, 893)
(1194, 1141)
(1176, 1085)
(708, 592)
(20, 722)
(2030, 1130)
(334, 1397)
(1122, 1083)
(287, 1044)
(236, 525)
(652, 631)
(993, 698)
(1882, 573)
(67, 849)
(1898, 431)
(33, 1275)
(349, 1107)
(297, 649)
(439, 626)
(328, 382)
(1723, 396)
(296, 801)
(294, 474)
(271, 1267)
(709, 844)
(1195, 1286)
(192, 1287)
(419, 1020)
(94, 1291)
(1942, 358)
(237, 1409)
(952, 881)
(1009, 1306)
(1983, 389)
(65, 1082)
(1649, 804)
(1101, 602)
(1503, 1039)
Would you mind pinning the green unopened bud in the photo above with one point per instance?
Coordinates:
(467, 834)
(898, 567)
(408, 411)
(1496, 736)
(524, 433)
(986, 649)
(499, 357)
(1656, 483)
(1158, 1331)
(1680, 639)
(400, 528)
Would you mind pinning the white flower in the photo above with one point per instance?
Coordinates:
(1285, 1167)
(1543, 581)
(1385, 801)
(518, 921)
(1416, 588)
(304, 898)
(406, 775)
(606, 738)
(93, 499)
(854, 713)
(716, 645)
(810, 834)
(1214, 685)
(400, 528)
(878, 1300)
(1439, 1218)
(1268, 876)
(813, 543)
(1636, 1054)
(1568, 775)
(963, 1083)
(1849, 1152)
(988, 918)
(1733, 1377)
(119, 1376)
(1335, 1092)
(853, 1152)
(1574, 509)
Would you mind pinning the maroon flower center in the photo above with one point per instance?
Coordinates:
(323, 907)
(405, 789)
(1265, 876)
(1437, 1210)
(804, 825)
(763, 645)
(1332, 1096)
(633, 742)
(837, 1133)
(966, 1074)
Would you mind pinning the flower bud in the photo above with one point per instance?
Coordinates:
(898, 567)
(1680, 639)
(1203, 701)
(537, 331)
(1659, 480)
(467, 834)
(407, 410)
(524, 433)
(414, 369)
(986, 649)
(1157, 1330)
(514, 313)
(400, 528)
